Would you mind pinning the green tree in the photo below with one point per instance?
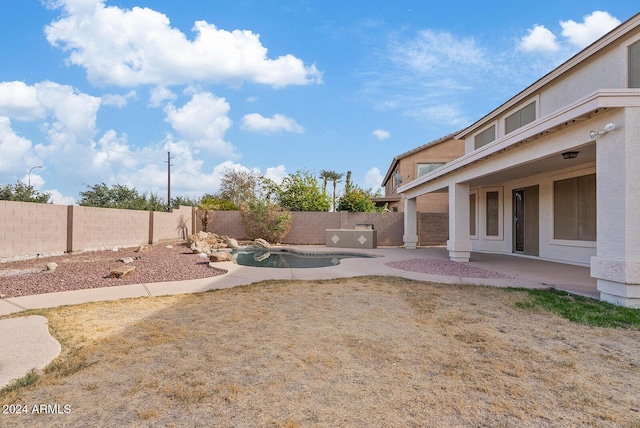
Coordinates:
(120, 196)
(206, 211)
(299, 192)
(356, 200)
(23, 193)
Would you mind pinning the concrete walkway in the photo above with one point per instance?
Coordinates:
(524, 272)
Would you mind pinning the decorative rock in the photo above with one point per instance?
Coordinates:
(121, 272)
(231, 243)
(126, 260)
(222, 256)
(169, 246)
(52, 266)
(114, 249)
(261, 243)
(203, 255)
(200, 247)
(143, 249)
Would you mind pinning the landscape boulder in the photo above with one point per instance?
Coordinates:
(121, 272)
(261, 243)
(222, 256)
(52, 266)
(143, 249)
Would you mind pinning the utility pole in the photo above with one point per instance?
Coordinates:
(168, 161)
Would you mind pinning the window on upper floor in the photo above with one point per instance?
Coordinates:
(485, 137)
(425, 168)
(634, 65)
(520, 118)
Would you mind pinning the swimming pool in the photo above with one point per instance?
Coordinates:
(289, 259)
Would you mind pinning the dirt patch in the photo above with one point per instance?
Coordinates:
(164, 262)
(357, 352)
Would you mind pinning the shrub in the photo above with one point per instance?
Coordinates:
(356, 201)
(262, 219)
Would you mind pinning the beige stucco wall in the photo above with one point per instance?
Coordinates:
(30, 228)
(408, 168)
(308, 228)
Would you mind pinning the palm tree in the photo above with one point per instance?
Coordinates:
(325, 176)
(335, 177)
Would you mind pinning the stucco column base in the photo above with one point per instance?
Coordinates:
(410, 242)
(459, 251)
(619, 294)
(618, 280)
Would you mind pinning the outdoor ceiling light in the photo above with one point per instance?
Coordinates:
(570, 155)
(607, 128)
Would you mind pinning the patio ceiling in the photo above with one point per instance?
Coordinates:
(544, 165)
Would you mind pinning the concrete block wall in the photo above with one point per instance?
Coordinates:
(433, 229)
(178, 224)
(95, 228)
(309, 227)
(227, 223)
(30, 229)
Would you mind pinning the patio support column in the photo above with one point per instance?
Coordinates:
(459, 244)
(616, 265)
(410, 236)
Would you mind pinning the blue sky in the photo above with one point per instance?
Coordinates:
(99, 91)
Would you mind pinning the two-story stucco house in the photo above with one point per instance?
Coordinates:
(554, 172)
(432, 208)
(415, 163)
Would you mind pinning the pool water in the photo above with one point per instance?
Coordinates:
(282, 259)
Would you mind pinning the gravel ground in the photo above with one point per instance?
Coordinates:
(90, 270)
(447, 268)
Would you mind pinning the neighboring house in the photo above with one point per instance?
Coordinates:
(554, 172)
(415, 163)
(433, 217)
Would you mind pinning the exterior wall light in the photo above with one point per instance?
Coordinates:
(607, 128)
(570, 155)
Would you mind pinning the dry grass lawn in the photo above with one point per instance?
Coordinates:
(361, 352)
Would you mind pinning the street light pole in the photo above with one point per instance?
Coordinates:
(39, 166)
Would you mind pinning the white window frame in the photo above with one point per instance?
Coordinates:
(624, 59)
(520, 107)
(567, 242)
(483, 224)
(476, 193)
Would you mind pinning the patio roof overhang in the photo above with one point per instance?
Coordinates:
(479, 167)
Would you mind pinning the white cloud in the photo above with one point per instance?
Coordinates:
(373, 178)
(160, 94)
(60, 199)
(16, 151)
(539, 39)
(593, 27)
(129, 47)
(255, 122)
(203, 121)
(381, 134)
(19, 101)
(118, 100)
(277, 174)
